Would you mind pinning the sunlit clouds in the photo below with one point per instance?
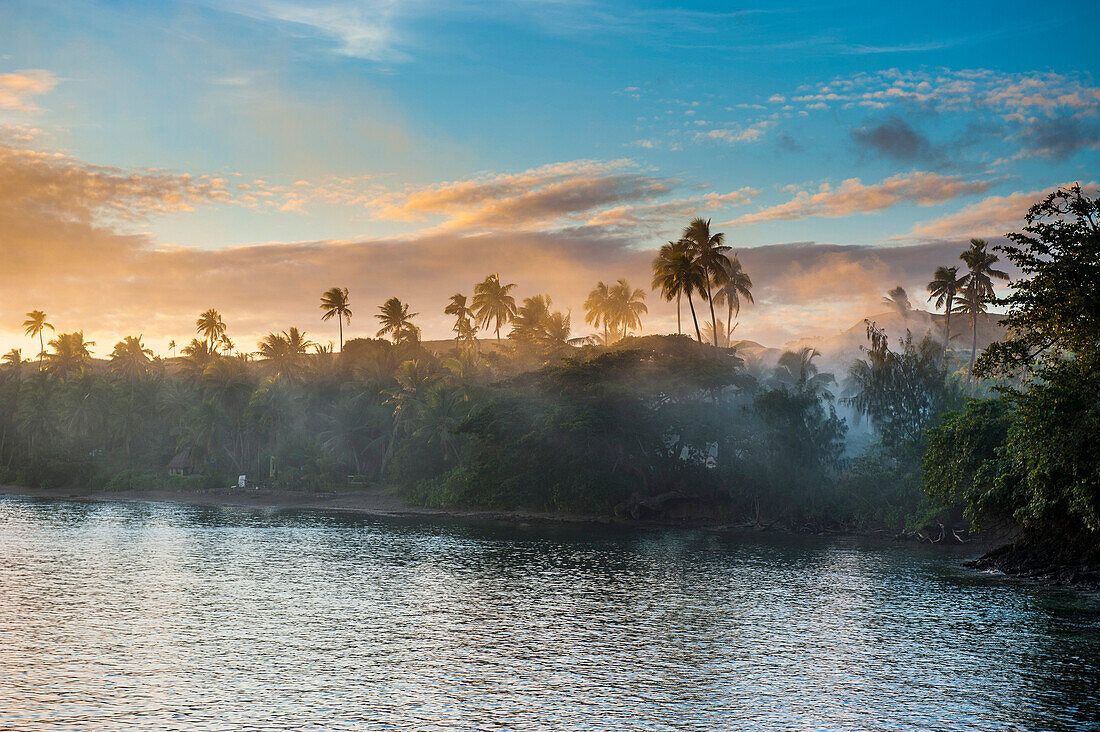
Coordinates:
(18, 89)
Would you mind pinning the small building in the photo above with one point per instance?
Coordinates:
(181, 463)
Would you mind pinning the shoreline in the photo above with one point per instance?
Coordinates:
(384, 502)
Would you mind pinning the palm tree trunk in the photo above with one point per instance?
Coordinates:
(698, 335)
(41, 350)
(341, 321)
(947, 330)
(679, 330)
(713, 320)
(974, 342)
(729, 322)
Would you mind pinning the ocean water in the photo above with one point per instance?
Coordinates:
(141, 616)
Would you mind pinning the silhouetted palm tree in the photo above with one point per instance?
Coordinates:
(210, 326)
(736, 286)
(971, 302)
(172, 347)
(397, 322)
(710, 251)
(675, 274)
(34, 325)
(70, 354)
(595, 308)
(285, 352)
(898, 300)
(624, 307)
(130, 358)
(14, 359)
(493, 303)
(335, 304)
(461, 311)
(944, 287)
(979, 283)
(197, 356)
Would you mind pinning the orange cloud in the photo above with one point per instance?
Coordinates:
(16, 89)
(854, 197)
(68, 251)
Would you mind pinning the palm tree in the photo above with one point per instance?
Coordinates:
(624, 307)
(70, 354)
(971, 302)
(34, 325)
(736, 285)
(13, 359)
(462, 313)
(335, 304)
(172, 347)
(979, 281)
(710, 251)
(493, 303)
(898, 300)
(675, 274)
(210, 326)
(944, 287)
(797, 369)
(130, 358)
(595, 308)
(285, 352)
(397, 322)
(197, 356)
(225, 343)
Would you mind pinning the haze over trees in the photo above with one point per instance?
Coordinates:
(661, 427)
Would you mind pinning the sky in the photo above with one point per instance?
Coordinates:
(158, 159)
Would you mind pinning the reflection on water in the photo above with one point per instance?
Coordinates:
(143, 616)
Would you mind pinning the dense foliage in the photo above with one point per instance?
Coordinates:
(1033, 454)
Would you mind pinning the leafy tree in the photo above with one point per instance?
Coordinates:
(130, 358)
(335, 304)
(796, 370)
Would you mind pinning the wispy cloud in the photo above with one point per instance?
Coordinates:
(854, 197)
(17, 89)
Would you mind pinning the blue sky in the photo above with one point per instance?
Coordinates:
(871, 124)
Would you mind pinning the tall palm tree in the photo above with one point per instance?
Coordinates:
(463, 324)
(397, 322)
(34, 325)
(736, 286)
(710, 251)
(225, 343)
(897, 299)
(210, 326)
(971, 302)
(595, 308)
(172, 347)
(674, 275)
(624, 307)
(979, 281)
(493, 303)
(944, 287)
(70, 354)
(335, 303)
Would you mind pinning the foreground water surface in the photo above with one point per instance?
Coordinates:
(153, 616)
